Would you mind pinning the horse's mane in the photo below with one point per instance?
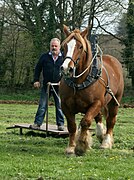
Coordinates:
(83, 40)
(89, 51)
(76, 34)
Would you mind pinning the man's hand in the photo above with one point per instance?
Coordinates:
(37, 85)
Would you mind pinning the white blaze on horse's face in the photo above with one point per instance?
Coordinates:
(70, 46)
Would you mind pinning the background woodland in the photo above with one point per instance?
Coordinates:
(26, 27)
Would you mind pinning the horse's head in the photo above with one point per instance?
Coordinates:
(76, 49)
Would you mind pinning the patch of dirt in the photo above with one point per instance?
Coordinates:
(17, 102)
(21, 102)
(50, 103)
(128, 105)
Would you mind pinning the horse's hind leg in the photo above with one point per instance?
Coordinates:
(110, 122)
(100, 128)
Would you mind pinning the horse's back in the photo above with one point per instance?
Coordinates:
(111, 61)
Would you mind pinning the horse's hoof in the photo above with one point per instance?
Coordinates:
(106, 146)
(100, 138)
(80, 148)
(70, 151)
(83, 142)
(79, 151)
(107, 142)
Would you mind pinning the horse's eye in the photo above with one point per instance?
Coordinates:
(81, 47)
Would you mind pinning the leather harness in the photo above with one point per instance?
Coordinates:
(93, 76)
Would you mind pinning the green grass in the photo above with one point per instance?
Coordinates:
(33, 95)
(23, 95)
(31, 156)
(128, 100)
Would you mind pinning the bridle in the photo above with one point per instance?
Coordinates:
(76, 62)
(90, 79)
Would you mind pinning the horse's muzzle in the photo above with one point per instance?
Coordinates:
(66, 72)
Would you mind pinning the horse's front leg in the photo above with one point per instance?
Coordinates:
(84, 141)
(71, 125)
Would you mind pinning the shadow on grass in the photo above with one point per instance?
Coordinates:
(39, 134)
(43, 135)
(31, 144)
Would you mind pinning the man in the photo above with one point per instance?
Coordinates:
(49, 63)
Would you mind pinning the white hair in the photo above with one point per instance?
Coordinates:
(55, 39)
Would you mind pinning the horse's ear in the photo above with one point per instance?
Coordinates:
(85, 32)
(66, 31)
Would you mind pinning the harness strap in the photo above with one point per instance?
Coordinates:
(113, 96)
(94, 74)
(107, 86)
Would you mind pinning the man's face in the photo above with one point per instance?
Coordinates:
(55, 47)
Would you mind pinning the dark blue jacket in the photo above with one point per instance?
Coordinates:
(50, 69)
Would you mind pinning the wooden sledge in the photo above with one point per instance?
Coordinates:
(47, 128)
(52, 129)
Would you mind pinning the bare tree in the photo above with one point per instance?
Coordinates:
(43, 19)
(35, 15)
(31, 15)
(2, 53)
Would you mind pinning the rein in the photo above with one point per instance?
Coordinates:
(75, 62)
(94, 74)
(97, 47)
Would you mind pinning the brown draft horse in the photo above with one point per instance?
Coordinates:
(92, 85)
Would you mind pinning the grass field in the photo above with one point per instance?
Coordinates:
(32, 157)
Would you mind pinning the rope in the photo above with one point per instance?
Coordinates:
(108, 89)
(52, 85)
(97, 46)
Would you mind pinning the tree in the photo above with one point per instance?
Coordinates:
(32, 17)
(3, 59)
(40, 20)
(51, 22)
(129, 41)
(14, 46)
(44, 17)
(126, 29)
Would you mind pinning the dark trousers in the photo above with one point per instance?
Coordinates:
(42, 108)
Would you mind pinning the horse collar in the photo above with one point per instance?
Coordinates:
(93, 75)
